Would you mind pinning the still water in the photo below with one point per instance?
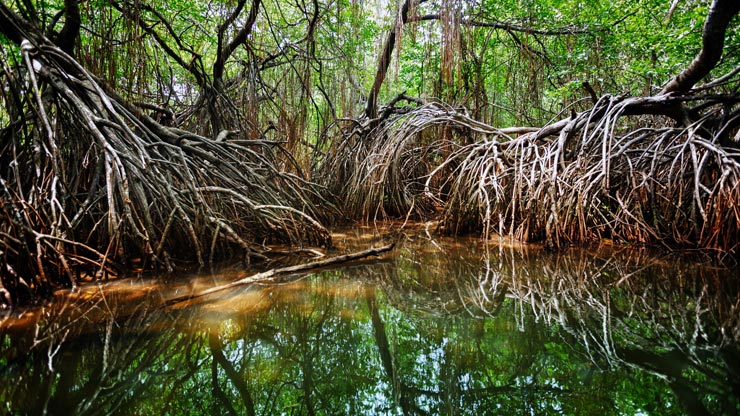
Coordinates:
(441, 326)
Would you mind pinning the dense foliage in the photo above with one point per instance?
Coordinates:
(306, 64)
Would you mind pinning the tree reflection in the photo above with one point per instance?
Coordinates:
(620, 310)
(470, 330)
(88, 357)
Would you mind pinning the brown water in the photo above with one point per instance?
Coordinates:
(440, 326)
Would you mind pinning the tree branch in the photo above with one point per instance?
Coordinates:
(566, 30)
(14, 27)
(71, 29)
(272, 273)
(371, 110)
(718, 19)
(225, 51)
(131, 11)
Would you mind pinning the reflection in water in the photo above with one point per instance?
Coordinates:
(453, 326)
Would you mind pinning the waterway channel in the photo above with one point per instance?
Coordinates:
(440, 326)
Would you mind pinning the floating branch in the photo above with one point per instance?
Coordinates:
(270, 275)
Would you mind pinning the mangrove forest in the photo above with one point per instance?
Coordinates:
(403, 207)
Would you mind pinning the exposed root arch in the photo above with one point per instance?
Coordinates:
(601, 178)
(655, 170)
(381, 171)
(89, 183)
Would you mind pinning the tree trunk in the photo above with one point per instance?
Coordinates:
(371, 110)
(14, 26)
(71, 29)
(713, 42)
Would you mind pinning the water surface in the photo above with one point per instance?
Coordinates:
(449, 326)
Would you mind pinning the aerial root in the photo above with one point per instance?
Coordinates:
(88, 184)
(602, 178)
(381, 171)
(610, 172)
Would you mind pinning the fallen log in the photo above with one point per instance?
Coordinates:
(273, 273)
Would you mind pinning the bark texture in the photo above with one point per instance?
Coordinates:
(718, 19)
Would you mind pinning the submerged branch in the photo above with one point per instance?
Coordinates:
(273, 273)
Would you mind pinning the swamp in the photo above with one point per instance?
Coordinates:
(453, 325)
(376, 207)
